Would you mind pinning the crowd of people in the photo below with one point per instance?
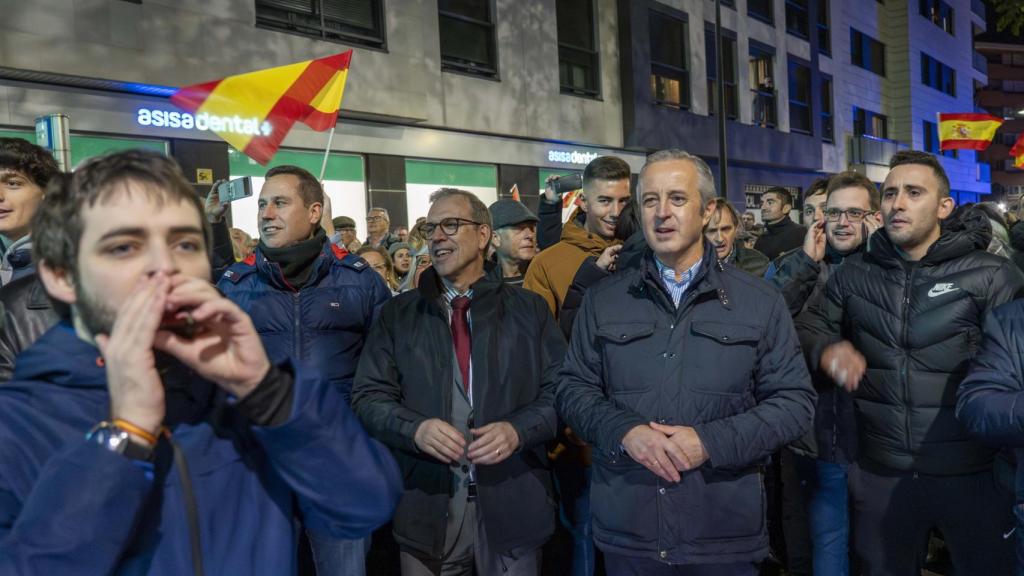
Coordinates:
(659, 385)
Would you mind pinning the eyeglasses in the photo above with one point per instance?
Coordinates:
(450, 226)
(374, 218)
(852, 214)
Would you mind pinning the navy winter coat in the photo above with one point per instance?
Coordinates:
(321, 326)
(990, 400)
(70, 506)
(726, 363)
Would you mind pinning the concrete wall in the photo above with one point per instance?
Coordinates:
(180, 42)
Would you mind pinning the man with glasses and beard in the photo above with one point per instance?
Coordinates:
(815, 468)
(151, 433)
(458, 378)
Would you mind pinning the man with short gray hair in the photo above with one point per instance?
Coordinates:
(685, 375)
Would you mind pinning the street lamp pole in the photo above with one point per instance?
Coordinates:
(723, 161)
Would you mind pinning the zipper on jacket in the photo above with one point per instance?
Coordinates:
(297, 337)
(904, 360)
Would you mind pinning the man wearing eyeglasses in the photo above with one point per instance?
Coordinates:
(458, 378)
(378, 224)
(896, 327)
(816, 520)
(780, 232)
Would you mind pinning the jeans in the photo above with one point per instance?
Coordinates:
(572, 480)
(334, 557)
(829, 519)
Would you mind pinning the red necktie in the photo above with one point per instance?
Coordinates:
(460, 336)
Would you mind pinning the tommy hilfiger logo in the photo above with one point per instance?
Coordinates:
(940, 289)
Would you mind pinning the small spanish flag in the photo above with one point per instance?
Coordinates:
(967, 131)
(515, 192)
(255, 111)
(1018, 152)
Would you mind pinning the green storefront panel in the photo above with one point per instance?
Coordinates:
(451, 174)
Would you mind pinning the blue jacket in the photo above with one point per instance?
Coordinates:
(727, 363)
(321, 327)
(990, 400)
(70, 506)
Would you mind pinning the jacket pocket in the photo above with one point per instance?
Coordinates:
(724, 356)
(732, 505)
(624, 503)
(626, 347)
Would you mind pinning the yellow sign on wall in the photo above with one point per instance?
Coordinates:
(204, 176)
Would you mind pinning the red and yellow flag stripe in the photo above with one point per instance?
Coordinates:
(1017, 151)
(265, 104)
(967, 131)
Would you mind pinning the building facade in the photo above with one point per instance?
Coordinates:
(812, 86)
(491, 94)
(1003, 96)
(480, 95)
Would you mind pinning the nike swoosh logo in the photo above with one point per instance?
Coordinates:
(940, 291)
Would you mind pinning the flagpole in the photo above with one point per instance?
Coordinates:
(327, 151)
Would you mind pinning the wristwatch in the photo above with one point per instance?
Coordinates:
(116, 439)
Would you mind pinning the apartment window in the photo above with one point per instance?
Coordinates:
(940, 13)
(867, 123)
(800, 119)
(796, 18)
(670, 79)
(350, 21)
(762, 84)
(824, 30)
(867, 52)
(467, 36)
(827, 123)
(577, 47)
(728, 73)
(762, 10)
(937, 75)
(931, 140)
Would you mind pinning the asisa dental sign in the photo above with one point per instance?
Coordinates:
(571, 157)
(203, 121)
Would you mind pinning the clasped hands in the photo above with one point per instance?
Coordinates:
(493, 443)
(665, 450)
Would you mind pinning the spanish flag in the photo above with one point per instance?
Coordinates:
(255, 111)
(1018, 152)
(967, 131)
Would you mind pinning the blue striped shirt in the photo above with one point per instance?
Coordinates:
(668, 279)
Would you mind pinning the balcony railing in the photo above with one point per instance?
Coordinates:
(872, 150)
(765, 109)
(984, 172)
(980, 63)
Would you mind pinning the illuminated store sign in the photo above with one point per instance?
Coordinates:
(571, 157)
(203, 121)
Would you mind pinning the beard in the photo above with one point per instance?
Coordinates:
(97, 317)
